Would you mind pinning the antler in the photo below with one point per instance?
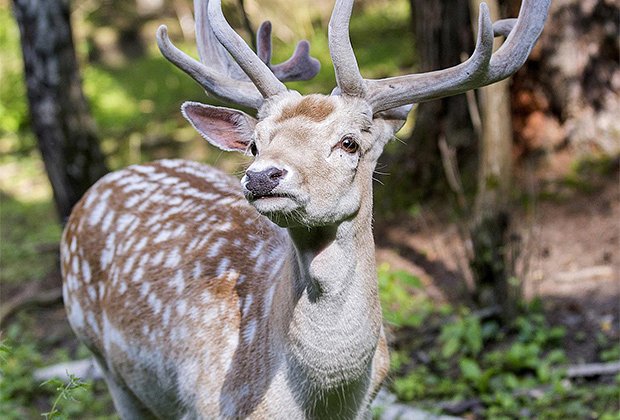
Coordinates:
(228, 68)
(481, 69)
(299, 67)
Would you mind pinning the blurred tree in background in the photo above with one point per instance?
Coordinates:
(59, 113)
(567, 96)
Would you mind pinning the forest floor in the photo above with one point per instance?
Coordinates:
(569, 258)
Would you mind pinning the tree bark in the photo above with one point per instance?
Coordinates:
(442, 34)
(491, 265)
(59, 113)
(566, 99)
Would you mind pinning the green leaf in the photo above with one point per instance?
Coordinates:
(473, 336)
(470, 369)
(450, 347)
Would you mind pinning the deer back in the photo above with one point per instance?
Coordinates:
(168, 262)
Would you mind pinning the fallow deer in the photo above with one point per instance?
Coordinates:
(201, 298)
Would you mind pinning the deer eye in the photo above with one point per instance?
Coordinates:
(348, 144)
(253, 149)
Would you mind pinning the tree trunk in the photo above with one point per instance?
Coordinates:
(442, 33)
(566, 98)
(59, 114)
(491, 265)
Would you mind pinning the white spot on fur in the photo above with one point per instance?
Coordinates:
(174, 258)
(181, 307)
(75, 265)
(158, 258)
(92, 323)
(215, 248)
(86, 274)
(206, 297)
(129, 264)
(193, 313)
(129, 243)
(140, 245)
(178, 282)
(107, 221)
(162, 236)
(224, 227)
(97, 213)
(250, 331)
(222, 266)
(166, 316)
(92, 293)
(144, 259)
(76, 315)
(143, 169)
(144, 288)
(123, 221)
(268, 300)
(108, 251)
(247, 303)
(180, 230)
(197, 269)
(257, 250)
(169, 180)
(154, 302)
(137, 275)
(122, 288)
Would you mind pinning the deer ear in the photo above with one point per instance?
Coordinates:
(226, 129)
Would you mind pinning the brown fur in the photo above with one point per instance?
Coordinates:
(313, 107)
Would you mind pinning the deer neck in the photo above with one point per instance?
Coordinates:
(335, 317)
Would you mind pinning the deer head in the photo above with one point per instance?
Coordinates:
(314, 155)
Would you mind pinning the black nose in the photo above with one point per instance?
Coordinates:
(261, 183)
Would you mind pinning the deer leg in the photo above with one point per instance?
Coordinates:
(127, 405)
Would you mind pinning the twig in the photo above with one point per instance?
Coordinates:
(472, 106)
(85, 369)
(29, 297)
(451, 169)
(593, 369)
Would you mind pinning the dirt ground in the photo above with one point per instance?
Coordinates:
(570, 258)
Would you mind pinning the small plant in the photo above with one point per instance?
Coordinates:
(403, 304)
(511, 371)
(65, 391)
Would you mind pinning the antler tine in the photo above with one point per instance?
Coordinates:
(348, 76)
(225, 88)
(263, 42)
(264, 80)
(482, 68)
(503, 27)
(301, 66)
(513, 53)
(210, 51)
(396, 91)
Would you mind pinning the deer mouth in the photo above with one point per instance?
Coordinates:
(273, 203)
(254, 197)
